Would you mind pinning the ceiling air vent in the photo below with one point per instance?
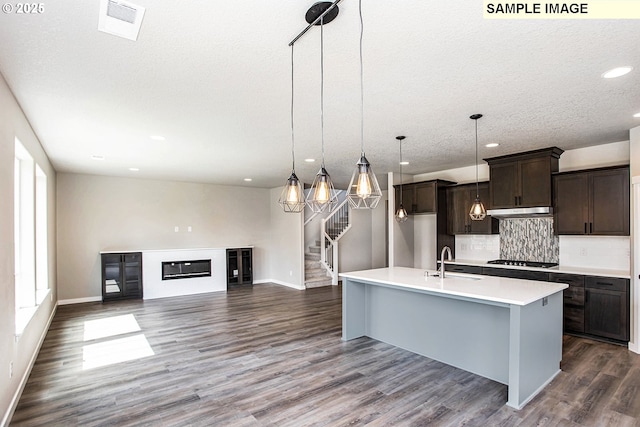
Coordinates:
(120, 18)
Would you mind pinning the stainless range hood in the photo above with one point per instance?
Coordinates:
(540, 211)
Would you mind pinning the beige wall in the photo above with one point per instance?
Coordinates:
(286, 252)
(20, 350)
(98, 213)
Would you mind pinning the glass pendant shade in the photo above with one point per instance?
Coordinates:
(477, 212)
(401, 214)
(292, 196)
(323, 194)
(364, 191)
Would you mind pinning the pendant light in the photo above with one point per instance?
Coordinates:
(401, 213)
(322, 194)
(364, 191)
(292, 196)
(477, 212)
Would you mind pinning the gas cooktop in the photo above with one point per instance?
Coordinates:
(523, 263)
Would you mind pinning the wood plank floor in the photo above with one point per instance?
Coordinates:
(271, 356)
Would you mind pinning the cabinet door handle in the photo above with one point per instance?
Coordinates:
(516, 200)
(590, 227)
(585, 228)
(586, 296)
(604, 284)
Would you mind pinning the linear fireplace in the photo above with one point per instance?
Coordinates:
(186, 269)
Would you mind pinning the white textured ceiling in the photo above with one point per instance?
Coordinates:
(213, 78)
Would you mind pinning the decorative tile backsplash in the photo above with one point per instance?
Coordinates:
(529, 239)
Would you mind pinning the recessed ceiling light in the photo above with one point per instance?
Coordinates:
(636, 115)
(157, 137)
(309, 160)
(96, 157)
(617, 72)
(134, 169)
(248, 179)
(404, 163)
(492, 145)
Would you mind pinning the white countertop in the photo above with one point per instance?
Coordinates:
(486, 288)
(623, 274)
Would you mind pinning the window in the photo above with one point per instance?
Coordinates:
(30, 236)
(42, 264)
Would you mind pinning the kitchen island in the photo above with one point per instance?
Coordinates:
(507, 330)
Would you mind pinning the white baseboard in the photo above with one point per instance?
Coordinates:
(79, 300)
(279, 282)
(25, 377)
(634, 347)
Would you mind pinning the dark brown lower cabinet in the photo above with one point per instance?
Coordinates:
(469, 269)
(516, 274)
(573, 297)
(607, 307)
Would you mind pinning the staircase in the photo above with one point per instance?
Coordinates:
(315, 275)
(321, 259)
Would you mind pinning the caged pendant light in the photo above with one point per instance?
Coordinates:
(292, 196)
(322, 194)
(477, 212)
(364, 191)
(401, 213)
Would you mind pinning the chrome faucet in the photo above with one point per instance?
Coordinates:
(445, 249)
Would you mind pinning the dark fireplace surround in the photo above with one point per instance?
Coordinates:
(172, 270)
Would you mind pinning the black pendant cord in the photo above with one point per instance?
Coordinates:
(477, 190)
(293, 151)
(361, 82)
(400, 138)
(401, 196)
(322, 87)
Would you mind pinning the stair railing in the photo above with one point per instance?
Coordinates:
(332, 228)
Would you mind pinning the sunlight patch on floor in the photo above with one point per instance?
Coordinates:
(115, 351)
(110, 326)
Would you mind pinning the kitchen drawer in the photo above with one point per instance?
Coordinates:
(573, 319)
(573, 280)
(470, 269)
(574, 296)
(607, 283)
(516, 274)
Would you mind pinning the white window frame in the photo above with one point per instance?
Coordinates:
(30, 237)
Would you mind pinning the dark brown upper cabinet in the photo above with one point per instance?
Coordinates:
(522, 180)
(592, 202)
(459, 201)
(420, 197)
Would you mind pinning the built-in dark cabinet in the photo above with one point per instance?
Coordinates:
(516, 274)
(421, 197)
(522, 180)
(573, 298)
(592, 202)
(121, 276)
(239, 266)
(607, 307)
(457, 268)
(459, 201)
